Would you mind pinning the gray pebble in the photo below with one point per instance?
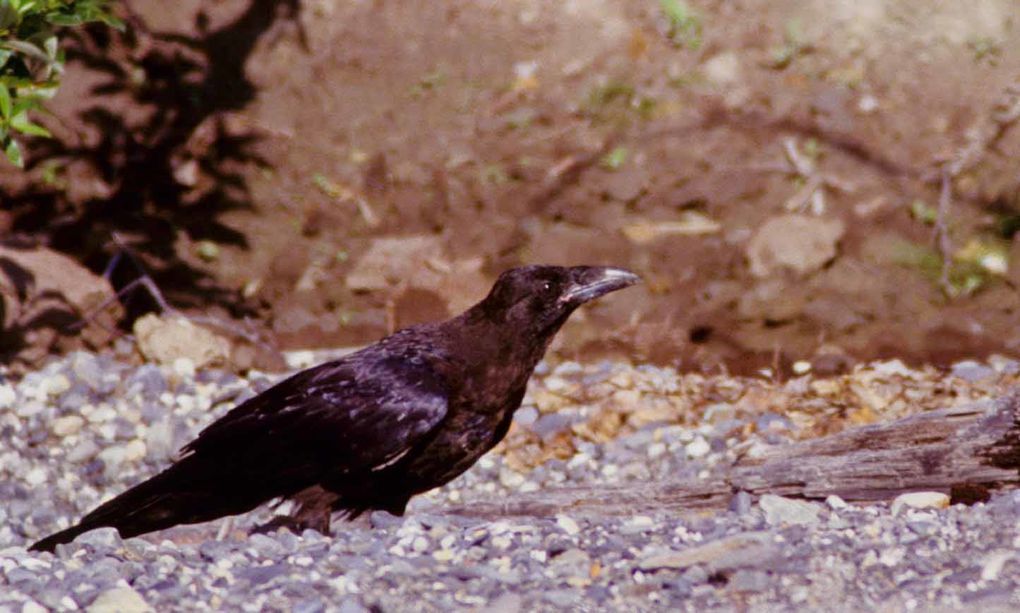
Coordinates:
(749, 581)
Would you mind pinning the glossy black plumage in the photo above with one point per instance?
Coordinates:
(370, 430)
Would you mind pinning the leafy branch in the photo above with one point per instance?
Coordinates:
(32, 63)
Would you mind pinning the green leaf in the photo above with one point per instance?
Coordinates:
(5, 102)
(615, 158)
(21, 123)
(13, 152)
(61, 19)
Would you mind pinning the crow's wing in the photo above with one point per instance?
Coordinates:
(353, 415)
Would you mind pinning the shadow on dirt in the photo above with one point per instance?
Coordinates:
(173, 167)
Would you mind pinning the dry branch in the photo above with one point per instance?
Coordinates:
(964, 451)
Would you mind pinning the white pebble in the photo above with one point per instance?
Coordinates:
(184, 368)
(801, 367)
(36, 477)
(993, 564)
(835, 502)
(920, 500)
(67, 425)
(102, 414)
(510, 478)
(567, 524)
(443, 555)
(7, 396)
(698, 448)
(892, 557)
(55, 385)
(134, 451)
(186, 403)
(33, 607)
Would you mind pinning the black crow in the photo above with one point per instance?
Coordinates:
(372, 429)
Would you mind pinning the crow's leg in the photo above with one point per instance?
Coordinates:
(314, 508)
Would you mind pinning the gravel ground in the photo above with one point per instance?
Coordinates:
(85, 427)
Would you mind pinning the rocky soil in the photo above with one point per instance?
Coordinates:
(86, 426)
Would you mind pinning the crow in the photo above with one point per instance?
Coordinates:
(372, 429)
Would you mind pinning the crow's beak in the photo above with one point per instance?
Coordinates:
(590, 282)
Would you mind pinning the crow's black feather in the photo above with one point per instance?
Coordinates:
(372, 429)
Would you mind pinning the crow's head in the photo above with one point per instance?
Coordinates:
(540, 298)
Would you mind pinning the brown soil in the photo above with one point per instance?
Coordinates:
(264, 148)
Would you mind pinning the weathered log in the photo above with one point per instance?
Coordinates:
(965, 451)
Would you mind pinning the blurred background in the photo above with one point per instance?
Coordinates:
(818, 181)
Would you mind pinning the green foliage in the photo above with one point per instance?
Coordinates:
(969, 270)
(922, 212)
(614, 159)
(793, 46)
(684, 23)
(31, 62)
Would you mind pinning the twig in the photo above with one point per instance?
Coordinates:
(941, 230)
(146, 281)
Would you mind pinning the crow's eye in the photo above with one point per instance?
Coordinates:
(546, 286)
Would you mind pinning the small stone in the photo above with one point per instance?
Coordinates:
(551, 424)
(637, 525)
(920, 500)
(800, 243)
(572, 562)
(510, 478)
(122, 599)
(176, 342)
(7, 396)
(147, 380)
(892, 368)
(994, 563)
(134, 451)
(741, 503)
(184, 367)
(507, 602)
(159, 440)
(745, 550)
(526, 416)
(748, 581)
(82, 452)
(867, 104)
(719, 412)
(567, 524)
(923, 527)
(420, 544)
(56, 385)
(780, 510)
(113, 458)
(101, 538)
(972, 371)
(801, 367)
(384, 520)
(33, 607)
(835, 502)
(309, 605)
(88, 370)
(722, 69)
(442, 555)
(892, 557)
(36, 477)
(698, 448)
(351, 606)
(101, 414)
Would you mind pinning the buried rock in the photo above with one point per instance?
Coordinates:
(49, 302)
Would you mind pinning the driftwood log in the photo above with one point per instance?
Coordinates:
(965, 451)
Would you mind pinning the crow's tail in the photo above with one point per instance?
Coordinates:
(168, 499)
